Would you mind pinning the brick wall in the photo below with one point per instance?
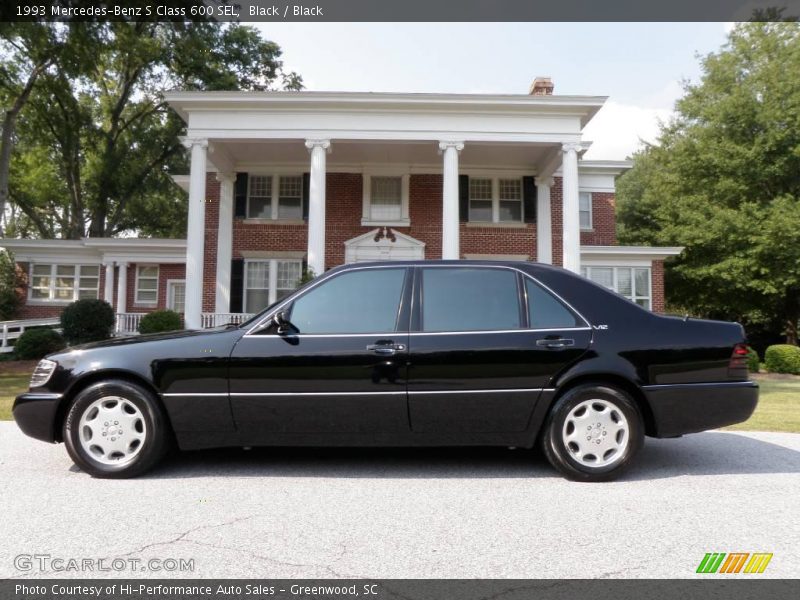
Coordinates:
(604, 221)
(657, 281)
(556, 220)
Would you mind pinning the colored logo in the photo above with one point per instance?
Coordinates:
(734, 562)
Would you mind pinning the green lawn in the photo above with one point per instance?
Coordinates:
(778, 406)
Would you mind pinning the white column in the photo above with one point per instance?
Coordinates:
(571, 238)
(122, 288)
(316, 205)
(195, 236)
(450, 219)
(222, 302)
(108, 289)
(544, 223)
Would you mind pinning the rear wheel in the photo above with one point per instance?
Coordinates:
(116, 429)
(593, 433)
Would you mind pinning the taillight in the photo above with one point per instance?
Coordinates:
(737, 367)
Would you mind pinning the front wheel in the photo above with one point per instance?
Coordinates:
(115, 429)
(593, 433)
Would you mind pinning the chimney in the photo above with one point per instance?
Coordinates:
(541, 86)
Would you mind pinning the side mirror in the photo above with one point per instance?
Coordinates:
(282, 322)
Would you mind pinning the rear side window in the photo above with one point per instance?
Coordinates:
(545, 311)
(465, 299)
(365, 301)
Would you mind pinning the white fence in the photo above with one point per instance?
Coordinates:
(126, 324)
(11, 330)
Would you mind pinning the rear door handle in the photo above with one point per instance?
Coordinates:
(386, 349)
(555, 343)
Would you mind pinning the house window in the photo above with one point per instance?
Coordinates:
(386, 203)
(631, 282)
(63, 283)
(275, 197)
(267, 281)
(146, 284)
(385, 200)
(176, 295)
(585, 209)
(495, 200)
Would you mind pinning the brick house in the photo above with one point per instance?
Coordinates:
(284, 181)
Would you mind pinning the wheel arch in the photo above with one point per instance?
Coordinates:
(614, 380)
(93, 377)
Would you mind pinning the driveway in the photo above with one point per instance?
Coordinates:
(288, 513)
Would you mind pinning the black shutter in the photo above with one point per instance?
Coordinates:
(306, 186)
(305, 267)
(529, 199)
(240, 196)
(463, 198)
(237, 285)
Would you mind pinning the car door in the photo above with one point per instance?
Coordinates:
(484, 342)
(341, 367)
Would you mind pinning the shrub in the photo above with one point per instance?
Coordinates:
(87, 321)
(160, 320)
(752, 360)
(783, 358)
(10, 283)
(38, 343)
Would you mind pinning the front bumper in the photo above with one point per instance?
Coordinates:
(692, 407)
(35, 413)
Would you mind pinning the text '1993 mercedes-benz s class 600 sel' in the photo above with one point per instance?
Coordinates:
(424, 353)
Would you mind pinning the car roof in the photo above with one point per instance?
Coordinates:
(518, 264)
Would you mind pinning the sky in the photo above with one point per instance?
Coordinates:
(639, 66)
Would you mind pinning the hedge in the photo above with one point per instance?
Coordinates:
(87, 320)
(783, 358)
(37, 343)
(160, 320)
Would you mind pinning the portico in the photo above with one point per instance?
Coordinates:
(495, 137)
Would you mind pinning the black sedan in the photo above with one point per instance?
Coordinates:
(426, 353)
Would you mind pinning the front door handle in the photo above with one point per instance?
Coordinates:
(555, 343)
(386, 349)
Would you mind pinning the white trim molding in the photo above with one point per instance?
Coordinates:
(628, 253)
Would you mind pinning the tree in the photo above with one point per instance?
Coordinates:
(97, 141)
(724, 181)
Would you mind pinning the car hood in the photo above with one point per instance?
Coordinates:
(150, 337)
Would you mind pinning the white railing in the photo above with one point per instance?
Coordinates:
(11, 330)
(216, 319)
(128, 323)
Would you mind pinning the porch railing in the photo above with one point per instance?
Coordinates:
(128, 323)
(11, 330)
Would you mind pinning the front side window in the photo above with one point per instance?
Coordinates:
(146, 284)
(64, 283)
(545, 311)
(585, 208)
(275, 197)
(631, 282)
(364, 301)
(386, 201)
(267, 281)
(469, 299)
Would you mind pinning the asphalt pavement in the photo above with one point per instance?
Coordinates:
(397, 513)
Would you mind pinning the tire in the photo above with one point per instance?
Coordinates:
(593, 433)
(116, 429)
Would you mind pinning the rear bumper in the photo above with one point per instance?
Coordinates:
(36, 415)
(691, 407)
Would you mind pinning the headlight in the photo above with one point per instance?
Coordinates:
(42, 372)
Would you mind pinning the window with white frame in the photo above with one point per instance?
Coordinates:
(63, 283)
(268, 280)
(385, 199)
(631, 282)
(176, 295)
(585, 209)
(275, 197)
(146, 284)
(497, 200)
